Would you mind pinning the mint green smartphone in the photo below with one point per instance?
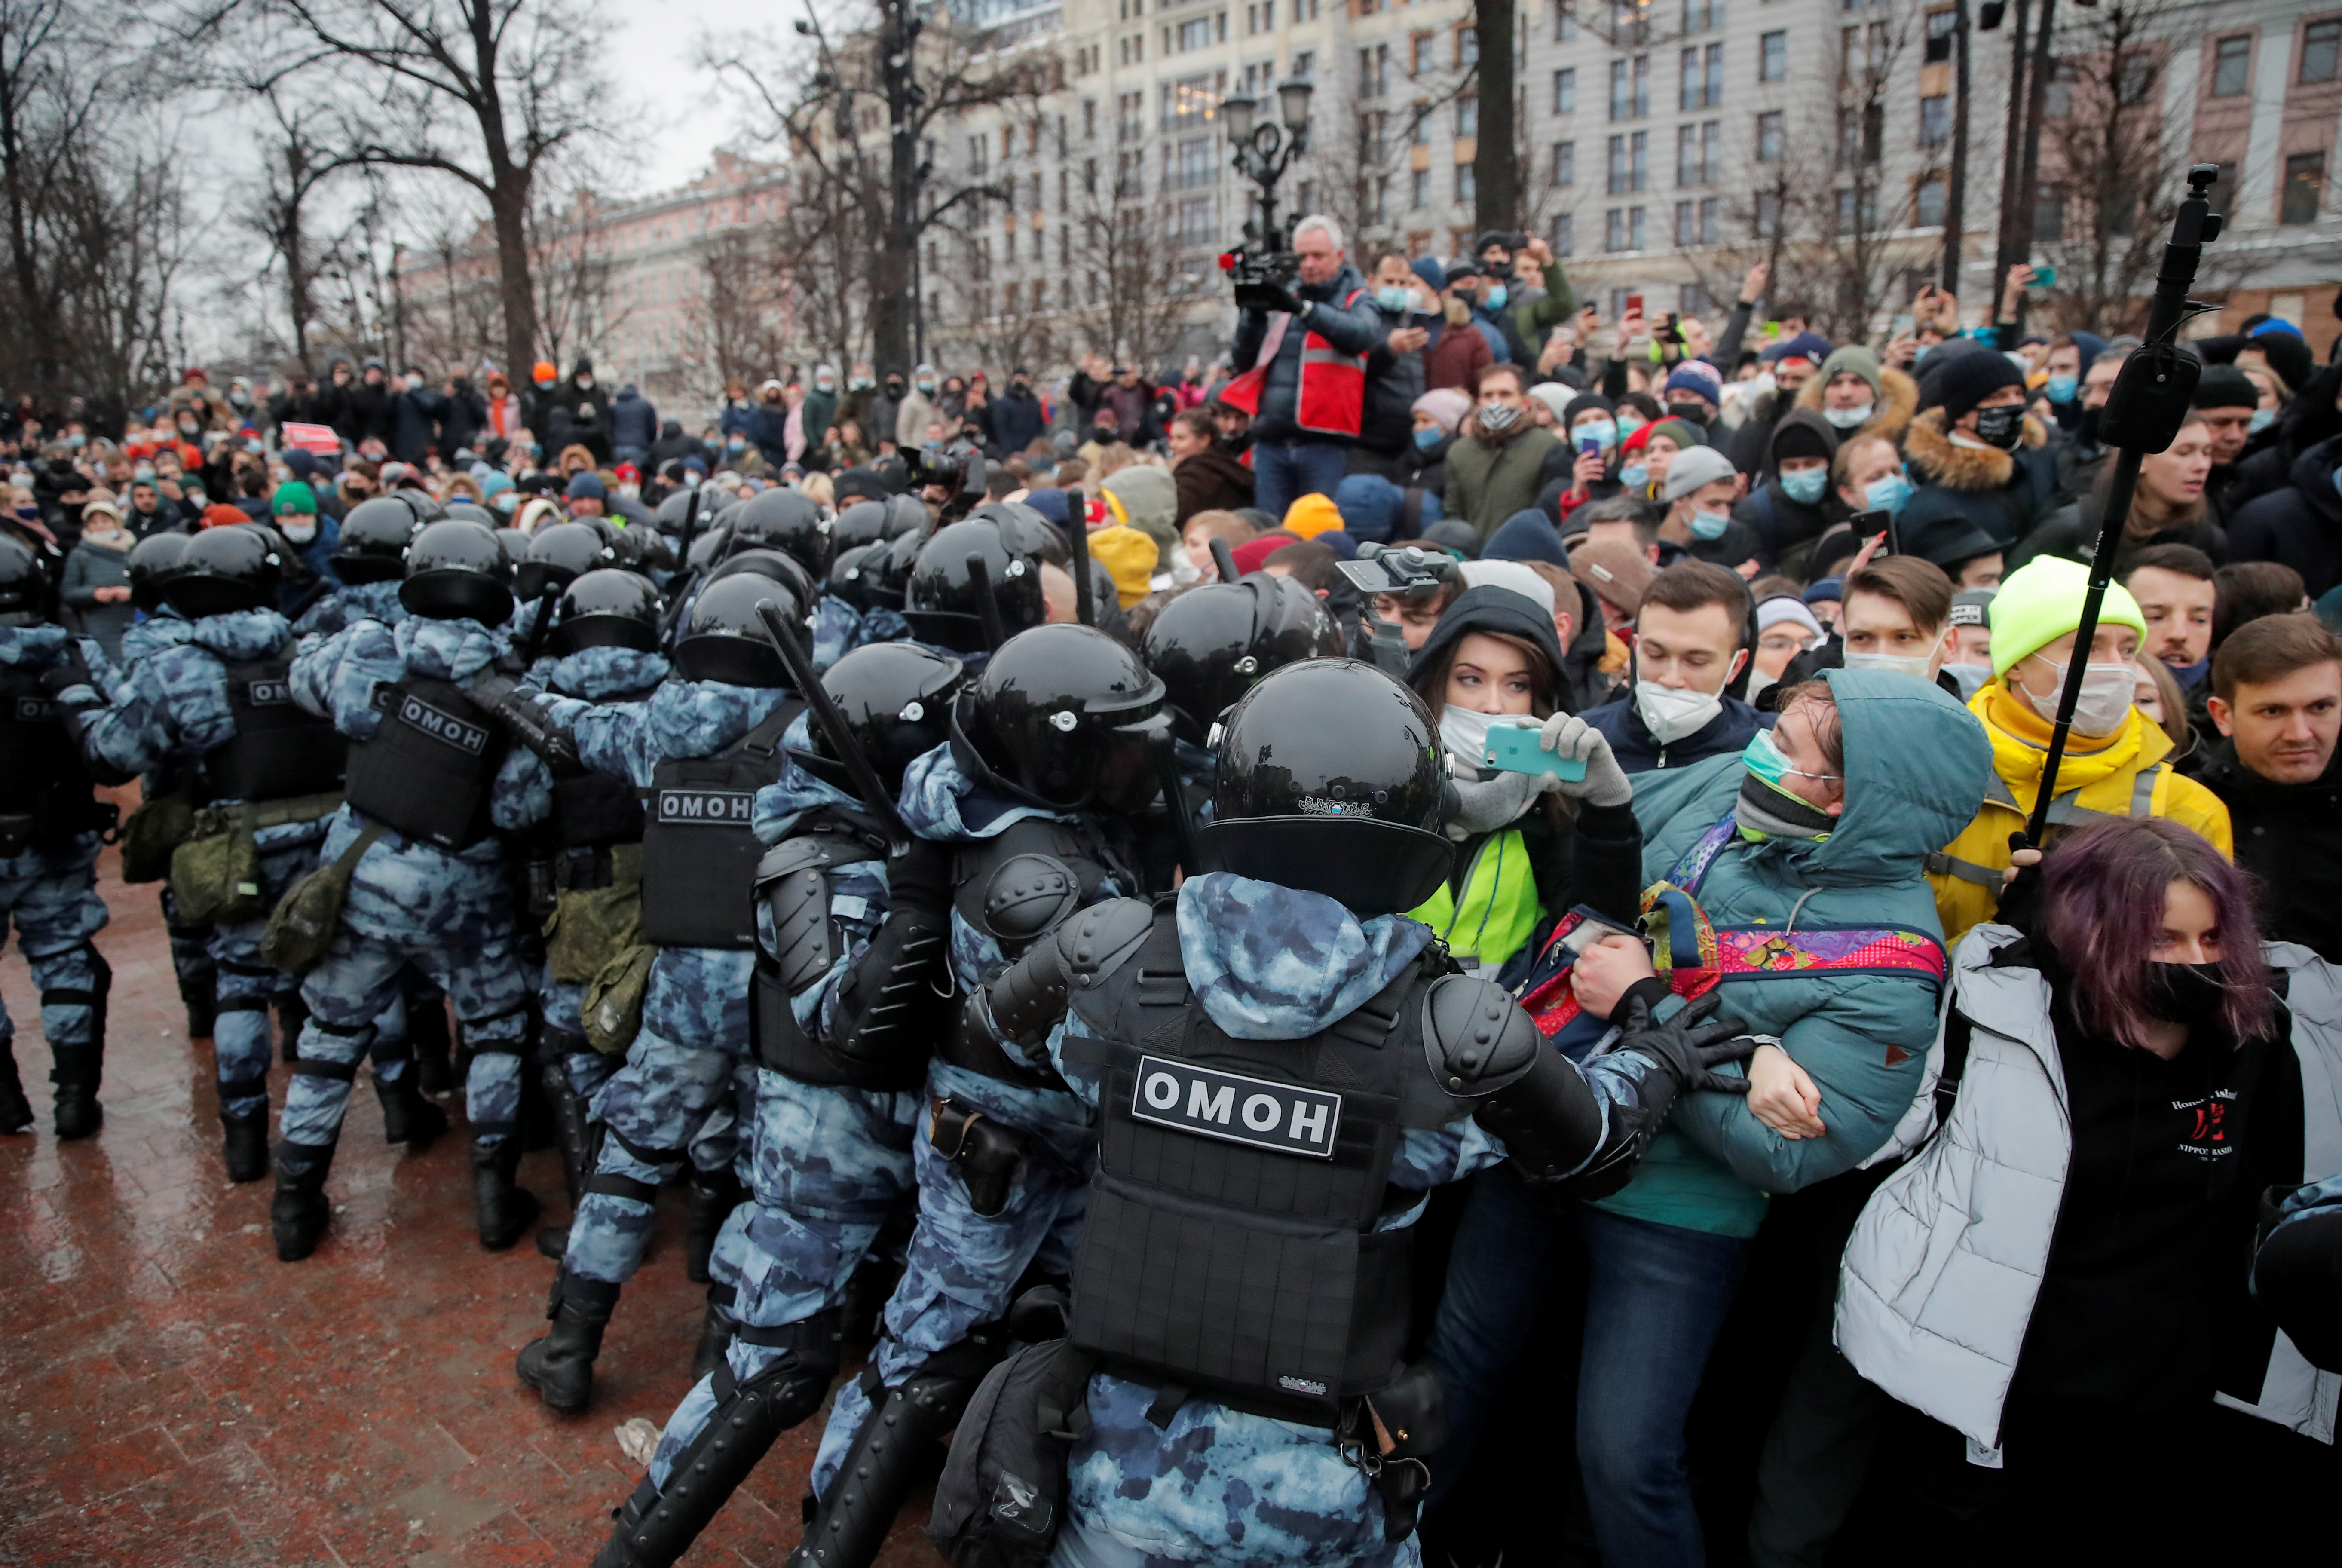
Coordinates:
(1514, 749)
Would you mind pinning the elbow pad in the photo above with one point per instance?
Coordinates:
(888, 1005)
(1484, 1050)
(1547, 1118)
(1029, 996)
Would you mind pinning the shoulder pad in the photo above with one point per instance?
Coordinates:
(1477, 1040)
(1102, 938)
(793, 882)
(1026, 894)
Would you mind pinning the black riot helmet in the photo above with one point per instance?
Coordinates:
(513, 544)
(864, 523)
(643, 548)
(473, 512)
(23, 583)
(940, 600)
(785, 520)
(677, 507)
(374, 540)
(455, 571)
(855, 572)
(226, 569)
(897, 700)
(558, 554)
(1329, 780)
(774, 563)
(726, 640)
(154, 561)
(1025, 529)
(706, 547)
(422, 503)
(1064, 718)
(607, 608)
(1215, 641)
(908, 515)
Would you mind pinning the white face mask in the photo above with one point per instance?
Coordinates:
(299, 533)
(2105, 701)
(1464, 734)
(1907, 663)
(1671, 715)
(1848, 418)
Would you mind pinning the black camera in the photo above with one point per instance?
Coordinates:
(959, 467)
(1407, 569)
(1252, 264)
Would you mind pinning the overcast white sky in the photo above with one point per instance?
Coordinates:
(650, 58)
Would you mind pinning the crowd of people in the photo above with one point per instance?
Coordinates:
(1417, 946)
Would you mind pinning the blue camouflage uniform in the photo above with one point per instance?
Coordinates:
(173, 705)
(449, 913)
(348, 604)
(827, 1166)
(191, 956)
(1221, 1485)
(48, 892)
(694, 1026)
(962, 1265)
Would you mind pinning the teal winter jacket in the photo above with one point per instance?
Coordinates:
(1916, 764)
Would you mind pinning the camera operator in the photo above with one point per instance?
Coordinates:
(1304, 349)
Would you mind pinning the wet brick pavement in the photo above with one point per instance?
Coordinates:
(172, 1394)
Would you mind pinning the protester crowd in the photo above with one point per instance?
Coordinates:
(1408, 947)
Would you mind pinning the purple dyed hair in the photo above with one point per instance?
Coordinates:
(2102, 894)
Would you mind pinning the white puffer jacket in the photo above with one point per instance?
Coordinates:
(1939, 1279)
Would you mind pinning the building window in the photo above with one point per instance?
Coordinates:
(2321, 43)
(1708, 220)
(1565, 22)
(2305, 188)
(2049, 218)
(1196, 34)
(1622, 229)
(1630, 88)
(1772, 57)
(1943, 23)
(1771, 132)
(1468, 47)
(1467, 188)
(1714, 69)
(1419, 54)
(1699, 15)
(1864, 210)
(1934, 120)
(2232, 63)
(1616, 178)
(1565, 164)
(1927, 203)
(1305, 64)
(1767, 216)
(1565, 91)
(1194, 221)
(1686, 224)
(1198, 164)
(1373, 71)
(1565, 235)
(1686, 154)
(1418, 190)
(1711, 151)
(1467, 116)
(1131, 115)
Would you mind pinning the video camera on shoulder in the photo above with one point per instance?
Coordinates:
(1252, 262)
(1399, 569)
(957, 467)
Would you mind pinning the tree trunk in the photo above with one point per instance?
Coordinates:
(508, 204)
(1496, 163)
(2008, 253)
(25, 265)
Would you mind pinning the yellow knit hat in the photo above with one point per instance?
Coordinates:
(1129, 558)
(1310, 515)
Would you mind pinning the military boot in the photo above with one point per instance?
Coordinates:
(502, 1208)
(714, 1195)
(76, 1075)
(16, 1111)
(243, 1138)
(406, 1116)
(560, 1366)
(299, 1212)
(573, 1126)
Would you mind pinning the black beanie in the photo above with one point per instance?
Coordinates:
(1795, 438)
(2225, 386)
(1967, 379)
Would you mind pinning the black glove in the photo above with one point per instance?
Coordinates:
(2020, 900)
(1267, 296)
(70, 670)
(1687, 1047)
(920, 877)
(533, 727)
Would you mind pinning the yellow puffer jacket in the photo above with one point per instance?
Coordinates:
(2123, 776)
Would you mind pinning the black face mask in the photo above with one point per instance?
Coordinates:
(1691, 412)
(2001, 428)
(2086, 429)
(2189, 993)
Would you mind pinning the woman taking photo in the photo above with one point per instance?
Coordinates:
(2056, 1283)
(1528, 846)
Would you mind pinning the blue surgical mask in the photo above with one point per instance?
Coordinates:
(2262, 419)
(1630, 422)
(1635, 475)
(1391, 298)
(1889, 494)
(736, 445)
(1601, 432)
(2064, 388)
(1498, 294)
(1710, 525)
(1430, 438)
(1804, 487)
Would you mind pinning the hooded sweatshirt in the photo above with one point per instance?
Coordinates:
(1916, 764)
(2299, 525)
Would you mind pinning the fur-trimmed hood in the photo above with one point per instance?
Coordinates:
(1898, 401)
(1962, 467)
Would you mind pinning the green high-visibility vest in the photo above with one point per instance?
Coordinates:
(1497, 914)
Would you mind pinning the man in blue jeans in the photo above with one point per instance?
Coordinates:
(1803, 856)
(1302, 351)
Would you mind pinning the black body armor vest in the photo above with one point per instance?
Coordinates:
(827, 838)
(45, 791)
(591, 809)
(699, 840)
(279, 749)
(428, 771)
(1230, 1247)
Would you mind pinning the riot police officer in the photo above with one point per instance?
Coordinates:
(50, 825)
(265, 776)
(850, 954)
(703, 745)
(1280, 1061)
(426, 883)
(1051, 752)
(965, 609)
(370, 559)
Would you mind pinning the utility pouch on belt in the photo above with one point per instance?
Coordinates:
(158, 827)
(1002, 1495)
(303, 926)
(611, 1012)
(215, 873)
(597, 910)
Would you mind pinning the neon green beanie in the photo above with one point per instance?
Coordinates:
(2041, 601)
